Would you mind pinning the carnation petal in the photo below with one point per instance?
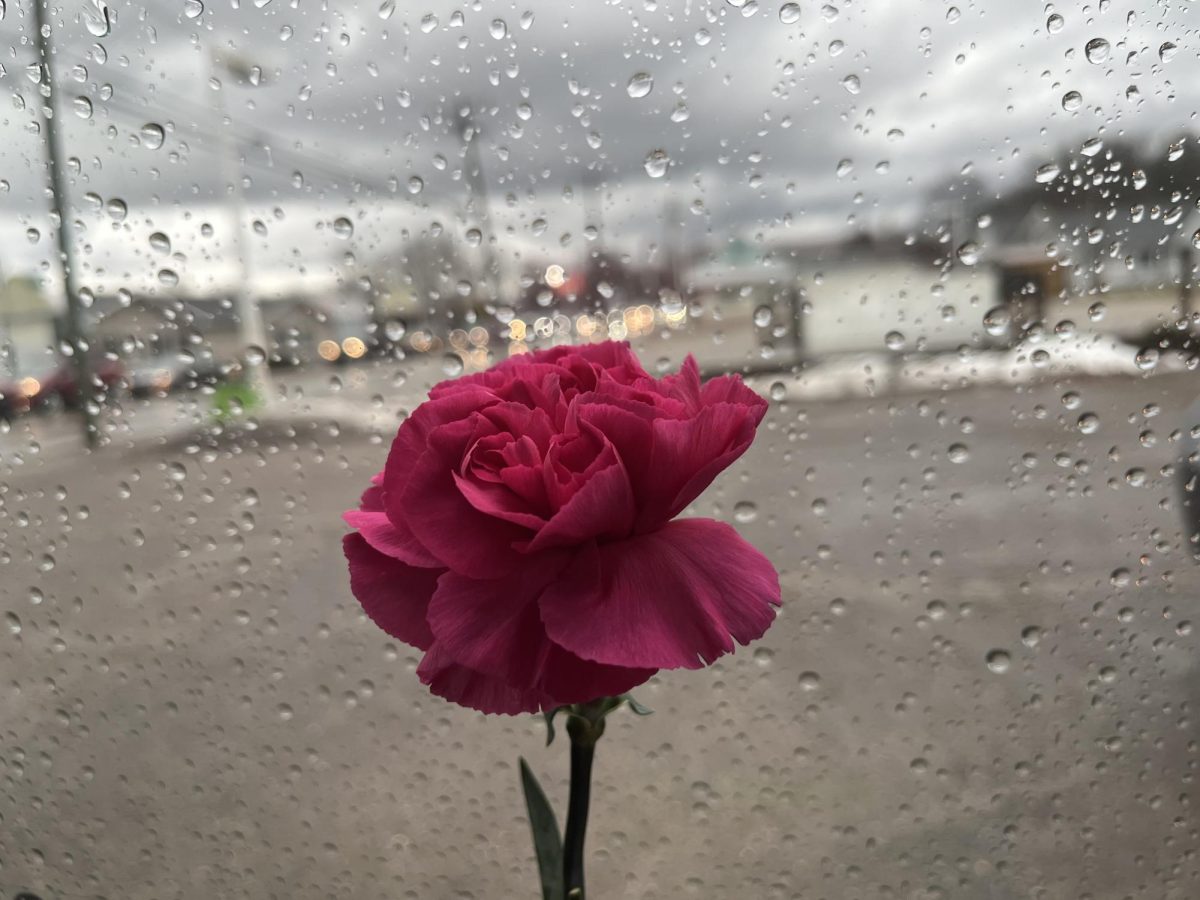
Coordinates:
(443, 520)
(675, 598)
(393, 594)
(494, 628)
(455, 682)
(383, 535)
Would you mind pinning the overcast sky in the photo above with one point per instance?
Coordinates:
(754, 107)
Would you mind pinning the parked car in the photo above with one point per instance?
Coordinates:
(59, 388)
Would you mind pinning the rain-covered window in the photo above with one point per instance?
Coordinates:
(952, 248)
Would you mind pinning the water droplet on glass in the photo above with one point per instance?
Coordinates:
(852, 84)
(177, 471)
(745, 511)
(1146, 358)
(193, 9)
(997, 320)
(1097, 50)
(82, 107)
(116, 209)
(810, 681)
(789, 13)
(1054, 23)
(386, 8)
(415, 184)
(1071, 101)
(168, 277)
(152, 136)
(1167, 51)
(968, 253)
(763, 656)
(1031, 636)
(762, 316)
(429, 23)
(97, 18)
(254, 355)
(1046, 173)
(640, 85)
(894, 340)
(160, 242)
(1088, 423)
(958, 453)
(998, 661)
(343, 227)
(657, 163)
(452, 364)
(13, 621)
(498, 29)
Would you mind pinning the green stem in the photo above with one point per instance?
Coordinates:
(585, 724)
(582, 754)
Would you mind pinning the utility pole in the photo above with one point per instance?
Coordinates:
(473, 173)
(251, 330)
(1187, 268)
(73, 322)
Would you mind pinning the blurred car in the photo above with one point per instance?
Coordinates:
(59, 388)
(157, 375)
(1189, 477)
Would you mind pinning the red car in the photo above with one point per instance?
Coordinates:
(60, 387)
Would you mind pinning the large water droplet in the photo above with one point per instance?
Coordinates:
(1072, 100)
(1046, 173)
(97, 18)
(498, 29)
(852, 84)
(996, 321)
(789, 13)
(152, 136)
(160, 242)
(1097, 50)
(968, 253)
(1167, 51)
(343, 227)
(745, 511)
(657, 162)
(116, 209)
(82, 107)
(640, 85)
(998, 661)
(193, 9)
(386, 8)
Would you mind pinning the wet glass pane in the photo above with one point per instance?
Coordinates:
(953, 249)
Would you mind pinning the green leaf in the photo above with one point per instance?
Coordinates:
(547, 840)
(637, 708)
(549, 716)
